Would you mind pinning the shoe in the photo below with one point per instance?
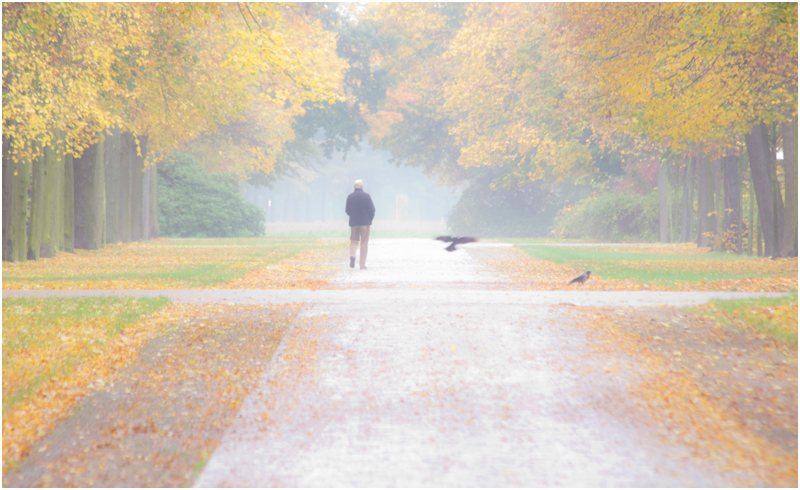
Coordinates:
(363, 266)
(352, 262)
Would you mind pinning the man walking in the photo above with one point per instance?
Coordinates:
(361, 211)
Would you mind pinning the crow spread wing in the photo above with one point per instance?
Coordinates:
(455, 240)
(582, 278)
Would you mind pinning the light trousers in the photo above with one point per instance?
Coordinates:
(359, 233)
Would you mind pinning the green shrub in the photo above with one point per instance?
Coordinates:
(610, 217)
(195, 203)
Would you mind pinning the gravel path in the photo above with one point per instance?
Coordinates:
(412, 375)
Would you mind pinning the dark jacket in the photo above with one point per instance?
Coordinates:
(360, 208)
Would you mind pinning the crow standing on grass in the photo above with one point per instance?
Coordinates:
(456, 240)
(582, 278)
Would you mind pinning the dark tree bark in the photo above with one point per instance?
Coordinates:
(48, 247)
(777, 207)
(789, 239)
(69, 203)
(759, 237)
(112, 156)
(124, 216)
(719, 208)
(751, 232)
(8, 208)
(155, 229)
(705, 196)
(137, 180)
(733, 200)
(57, 221)
(759, 153)
(86, 232)
(675, 202)
(37, 209)
(145, 212)
(22, 184)
(663, 204)
(100, 191)
(773, 134)
(688, 201)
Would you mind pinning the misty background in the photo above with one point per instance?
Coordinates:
(312, 201)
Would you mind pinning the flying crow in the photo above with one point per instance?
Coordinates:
(582, 278)
(456, 240)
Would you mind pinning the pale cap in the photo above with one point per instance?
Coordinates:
(359, 183)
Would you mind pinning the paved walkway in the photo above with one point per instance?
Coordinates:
(415, 373)
(416, 381)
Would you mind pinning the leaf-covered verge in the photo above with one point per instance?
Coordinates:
(777, 317)
(50, 397)
(728, 394)
(175, 264)
(168, 396)
(662, 267)
(48, 338)
(53, 355)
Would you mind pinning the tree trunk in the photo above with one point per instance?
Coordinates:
(663, 204)
(719, 208)
(8, 207)
(758, 152)
(22, 183)
(751, 235)
(145, 213)
(740, 221)
(705, 189)
(777, 206)
(124, 226)
(86, 232)
(69, 203)
(57, 221)
(112, 158)
(713, 218)
(675, 200)
(688, 201)
(789, 239)
(773, 135)
(37, 208)
(100, 191)
(733, 200)
(155, 229)
(759, 237)
(137, 179)
(48, 247)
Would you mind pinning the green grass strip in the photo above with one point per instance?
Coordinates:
(641, 267)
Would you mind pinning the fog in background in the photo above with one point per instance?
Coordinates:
(405, 198)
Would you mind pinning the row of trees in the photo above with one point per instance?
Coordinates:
(570, 94)
(94, 94)
(59, 202)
